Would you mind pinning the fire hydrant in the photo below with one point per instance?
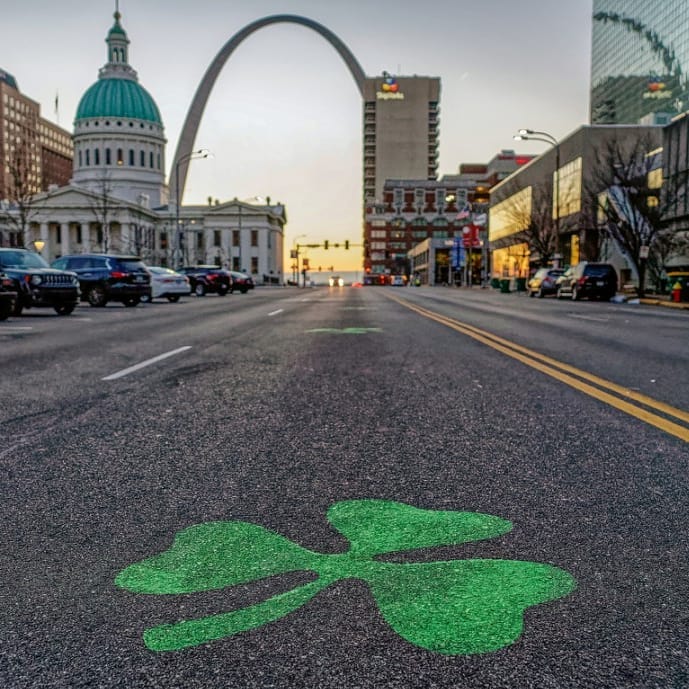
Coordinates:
(677, 291)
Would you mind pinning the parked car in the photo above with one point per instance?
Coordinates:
(8, 298)
(37, 284)
(335, 281)
(241, 282)
(589, 280)
(544, 282)
(108, 277)
(167, 283)
(208, 280)
(397, 281)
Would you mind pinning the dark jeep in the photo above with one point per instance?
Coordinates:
(37, 284)
(8, 298)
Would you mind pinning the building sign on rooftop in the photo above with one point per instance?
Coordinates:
(389, 89)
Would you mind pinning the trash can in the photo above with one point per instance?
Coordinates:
(505, 286)
(495, 283)
(521, 284)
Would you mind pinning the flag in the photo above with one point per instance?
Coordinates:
(464, 213)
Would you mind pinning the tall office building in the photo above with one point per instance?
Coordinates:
(639, 61)
(401, 116)
(37, 150)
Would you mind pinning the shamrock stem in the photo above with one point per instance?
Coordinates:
(173, 637)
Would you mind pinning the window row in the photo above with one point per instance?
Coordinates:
(90, 157)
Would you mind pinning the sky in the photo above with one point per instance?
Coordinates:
(284, 119)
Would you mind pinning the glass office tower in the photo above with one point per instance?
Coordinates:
(639, 61)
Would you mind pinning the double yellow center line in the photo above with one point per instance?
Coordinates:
(604, 390)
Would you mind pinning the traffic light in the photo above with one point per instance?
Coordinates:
(346, 243)
(326, 244)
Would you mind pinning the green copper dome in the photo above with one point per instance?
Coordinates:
(118, 98)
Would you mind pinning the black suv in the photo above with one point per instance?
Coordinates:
(208, 280)
(108, 277)
(37, 284)
(591, 280)
(8, 298)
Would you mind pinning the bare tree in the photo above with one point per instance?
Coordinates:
(104, 208)
(20, 193)
(534, 214)
(629, 208)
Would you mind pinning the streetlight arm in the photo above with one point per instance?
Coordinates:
(526, 134)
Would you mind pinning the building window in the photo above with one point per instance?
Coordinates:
(142, 159)
(378, 234)
(108, 157)
(254, 237)
(199, 240)
(120, 158)
(81, 162)
(216, 237)
(235, 237)
(163, 240)
(78, 234)
(131, 156)
(150, 160)
(254, 264)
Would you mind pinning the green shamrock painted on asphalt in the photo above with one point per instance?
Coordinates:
(452, 607)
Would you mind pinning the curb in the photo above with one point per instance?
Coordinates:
(667, 304)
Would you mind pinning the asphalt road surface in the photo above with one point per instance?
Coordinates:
(345, 488)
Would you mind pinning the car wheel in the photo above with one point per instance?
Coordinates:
(146, 298)
(64, 309)
(222, 291)
(541, 293)
(18, 308)
(575, 294)
(173, 298)
(244, 290)
(96, 296)
(132, 301)
(200, 289)
(5, 311)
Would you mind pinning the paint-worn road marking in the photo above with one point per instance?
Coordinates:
(143, 364)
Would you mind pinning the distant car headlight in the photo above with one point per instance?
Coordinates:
(36, 279)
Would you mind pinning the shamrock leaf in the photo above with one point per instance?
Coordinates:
(215, 555)
(374, 527)
(460, 606)
(464, 606)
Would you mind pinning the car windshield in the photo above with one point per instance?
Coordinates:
(129, 264)
(21, 259)
(598, 271)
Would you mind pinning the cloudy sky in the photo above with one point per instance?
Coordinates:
(284, 118)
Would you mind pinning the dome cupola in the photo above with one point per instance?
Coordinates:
(118, 131)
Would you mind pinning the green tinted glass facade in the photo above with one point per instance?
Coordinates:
(639, 61)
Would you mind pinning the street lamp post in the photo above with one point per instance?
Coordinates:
(531, 135)
(201, 153)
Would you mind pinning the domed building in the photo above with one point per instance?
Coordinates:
(119, 138)
(117, 199)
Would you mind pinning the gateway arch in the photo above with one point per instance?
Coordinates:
(185, 144)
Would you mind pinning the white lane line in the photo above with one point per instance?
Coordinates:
(148, 362)
(589, 318)
(274, 313)
(15, 328)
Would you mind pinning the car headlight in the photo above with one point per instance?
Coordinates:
(36, 279)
